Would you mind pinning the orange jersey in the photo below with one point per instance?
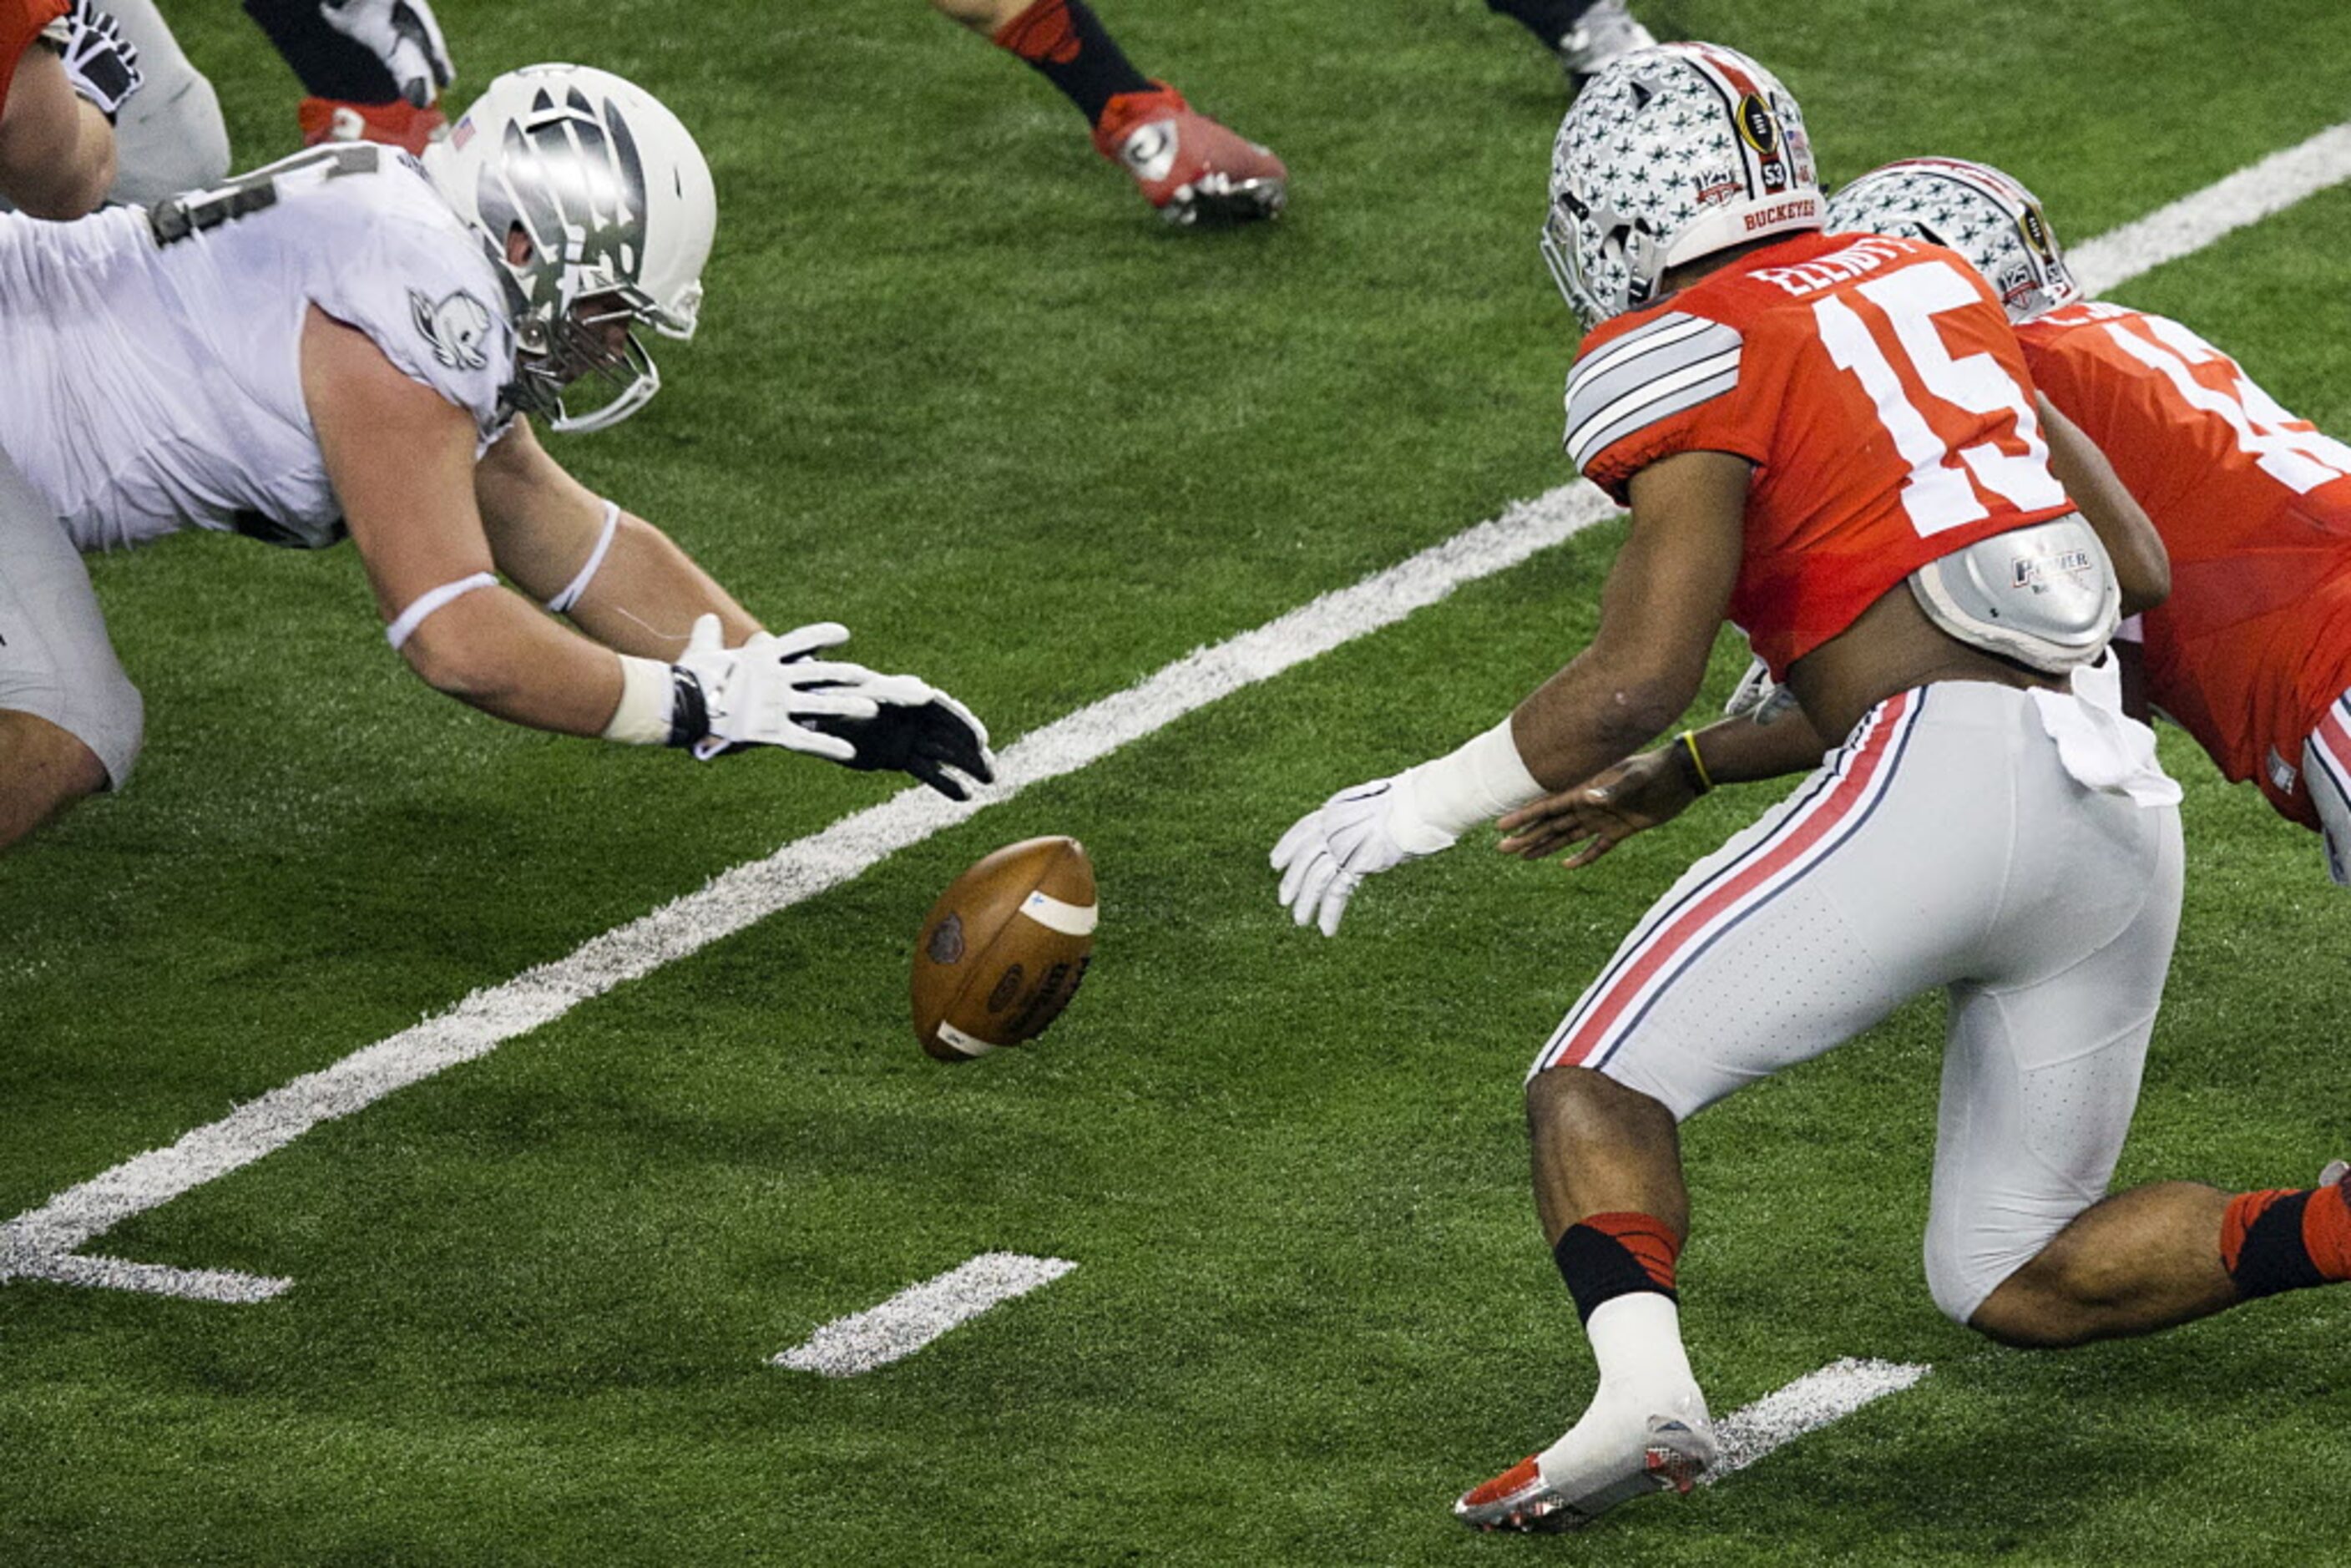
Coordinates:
(21, 22)
(2254, 506)
(1878, 389)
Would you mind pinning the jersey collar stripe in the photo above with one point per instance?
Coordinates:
(1654, 334)
(1660, 399)
(1865, 775)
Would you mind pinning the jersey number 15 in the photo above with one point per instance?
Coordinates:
(1939, 493)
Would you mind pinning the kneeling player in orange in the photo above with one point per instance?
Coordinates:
(1832, 441)
(1188, 166)
(2251, 654)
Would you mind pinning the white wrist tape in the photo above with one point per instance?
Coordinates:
(562, 602)
(647, 691)
(424, 604)
(1471, 786)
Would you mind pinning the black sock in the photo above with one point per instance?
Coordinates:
(1549, 20)
(1066, 41)
(329, 64)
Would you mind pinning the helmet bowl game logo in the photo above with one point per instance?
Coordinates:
(1760, 129)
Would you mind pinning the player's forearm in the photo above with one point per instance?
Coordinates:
(1593, 713)
(1740, 751)
(491, 650)
(2142, 567)
(644, 598)
(57, 149)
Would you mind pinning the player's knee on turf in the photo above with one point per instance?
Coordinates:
(2042, 1305)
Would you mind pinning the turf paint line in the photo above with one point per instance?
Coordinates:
(41, 1242)
(1807, 1405)
(919, 1314)
(154, 1279)
(2253, 193)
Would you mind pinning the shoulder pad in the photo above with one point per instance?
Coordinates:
(1654, 372)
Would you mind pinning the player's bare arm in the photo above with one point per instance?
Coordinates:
(2142, 566)
(619, 579)
(1652, 787)
(1659, 614)
(57, 148)
(1660, 609)
(400, 458)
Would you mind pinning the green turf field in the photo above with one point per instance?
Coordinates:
(957, 389)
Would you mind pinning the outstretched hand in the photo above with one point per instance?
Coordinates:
(1600, 813)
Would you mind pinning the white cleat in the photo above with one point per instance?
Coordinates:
(1606, 32)
(1567, 1494)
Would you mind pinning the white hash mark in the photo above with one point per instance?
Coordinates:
(919, 1314)
(1807, 1405)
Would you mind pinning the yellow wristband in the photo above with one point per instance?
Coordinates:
(1697, 764)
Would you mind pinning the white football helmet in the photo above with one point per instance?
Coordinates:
(1670, 154)
(1971, 208)
(617, 204)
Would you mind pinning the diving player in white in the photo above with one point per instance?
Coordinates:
(349, 342)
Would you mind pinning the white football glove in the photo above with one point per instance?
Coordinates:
(771, 691)
(1356, 833)
(405, 35)
(762, 692)
(101, 63)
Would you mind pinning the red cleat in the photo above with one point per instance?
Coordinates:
(1191, 168)
(395, 124)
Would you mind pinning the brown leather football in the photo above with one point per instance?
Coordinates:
(1002, 951)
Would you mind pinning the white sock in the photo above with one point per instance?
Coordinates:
(1637, 1340)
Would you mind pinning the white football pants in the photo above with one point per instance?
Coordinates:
(1946, 844)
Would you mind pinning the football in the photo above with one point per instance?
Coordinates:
(1002, 951)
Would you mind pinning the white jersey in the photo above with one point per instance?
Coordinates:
(153, 356)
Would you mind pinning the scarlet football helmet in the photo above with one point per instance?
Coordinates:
(1972, 208)
(1670, 154)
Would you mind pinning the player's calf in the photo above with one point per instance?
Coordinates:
(2169, 1253)
(1608, 1182)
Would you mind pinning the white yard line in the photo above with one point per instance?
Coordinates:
(43, 1242)
(919, 1314)
(1807, 1405)
(2253, 193)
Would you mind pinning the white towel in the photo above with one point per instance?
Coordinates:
(2102, 747)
